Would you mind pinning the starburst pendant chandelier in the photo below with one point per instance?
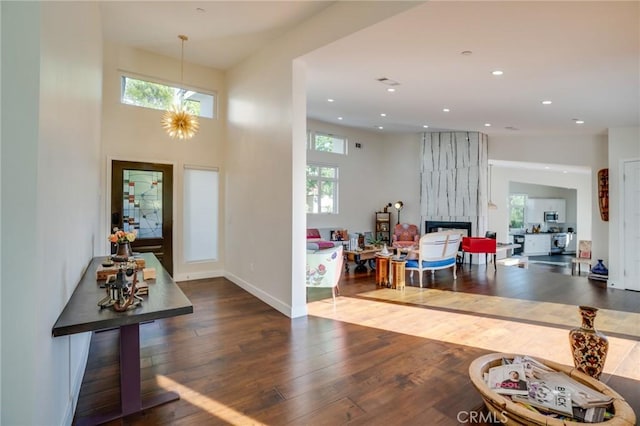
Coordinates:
(178, 121)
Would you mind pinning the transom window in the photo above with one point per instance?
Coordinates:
(149, 94)
(322, 188)
(326, 142)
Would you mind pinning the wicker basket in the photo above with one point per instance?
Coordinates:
(515, 414)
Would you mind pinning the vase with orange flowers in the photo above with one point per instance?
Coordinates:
(123, 240)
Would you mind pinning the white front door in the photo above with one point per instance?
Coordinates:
(631, 230)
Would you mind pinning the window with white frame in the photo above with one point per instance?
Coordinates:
(325, 142)
(517, 204)
(200, 212)
(149, 94)
(322, 188)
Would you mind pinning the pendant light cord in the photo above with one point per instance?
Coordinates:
(183, 38)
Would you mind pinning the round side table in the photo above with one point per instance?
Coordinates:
(398, 273)
(382, 270)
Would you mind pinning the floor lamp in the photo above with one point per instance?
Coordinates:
(398, 205)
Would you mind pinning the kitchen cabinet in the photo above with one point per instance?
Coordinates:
(537, 244)
(536, 207)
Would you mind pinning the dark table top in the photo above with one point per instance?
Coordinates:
(82, 313)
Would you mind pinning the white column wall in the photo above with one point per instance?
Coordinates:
(263, 239)
(624, 144)
(52, 71)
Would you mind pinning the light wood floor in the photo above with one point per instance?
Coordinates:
(376, 357)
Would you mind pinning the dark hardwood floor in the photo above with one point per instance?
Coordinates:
(236, 360)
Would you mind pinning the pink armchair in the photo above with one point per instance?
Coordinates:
(405, 235)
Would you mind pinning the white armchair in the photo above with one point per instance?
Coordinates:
(437, 250)
(324, 268)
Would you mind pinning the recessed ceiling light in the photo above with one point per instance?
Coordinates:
(391, 89)
(466, 52)
(425, 126)
(578, 121)
(487, 124)
(497, 72)
(380, 127)
(382, 114)
(547, 167)
(446, 109)
(546, 102)
(331, 100)
(339, 118)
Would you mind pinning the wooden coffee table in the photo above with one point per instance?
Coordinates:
(361, 257)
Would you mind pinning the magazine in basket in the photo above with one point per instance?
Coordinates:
(508, 379)
(547, 395)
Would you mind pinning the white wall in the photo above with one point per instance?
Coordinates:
(135, 134)
(588, 151)
(624, 144)
(581, 182)
(51, 80)
(263, 161)
(401, 175)
(385, 169)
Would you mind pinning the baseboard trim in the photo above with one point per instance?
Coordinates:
(277, 304)
(188, 276)
(76, 381)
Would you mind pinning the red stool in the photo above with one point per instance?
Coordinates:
(479, 245)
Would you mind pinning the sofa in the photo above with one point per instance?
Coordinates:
(315, 240)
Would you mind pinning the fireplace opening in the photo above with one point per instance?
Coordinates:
(436, 226)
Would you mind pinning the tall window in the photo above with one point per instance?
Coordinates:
(322, 188)
(200, 214)
(517, 203)
(326, 142)
(149, 94)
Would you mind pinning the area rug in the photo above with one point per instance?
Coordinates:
(547, 262)
(624, 324)
(551, 260)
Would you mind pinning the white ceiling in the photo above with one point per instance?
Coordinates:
(584, 56)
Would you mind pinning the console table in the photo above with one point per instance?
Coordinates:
(82, 314)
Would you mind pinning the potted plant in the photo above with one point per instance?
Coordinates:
(375, 242)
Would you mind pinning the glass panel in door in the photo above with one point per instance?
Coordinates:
(142, 202)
